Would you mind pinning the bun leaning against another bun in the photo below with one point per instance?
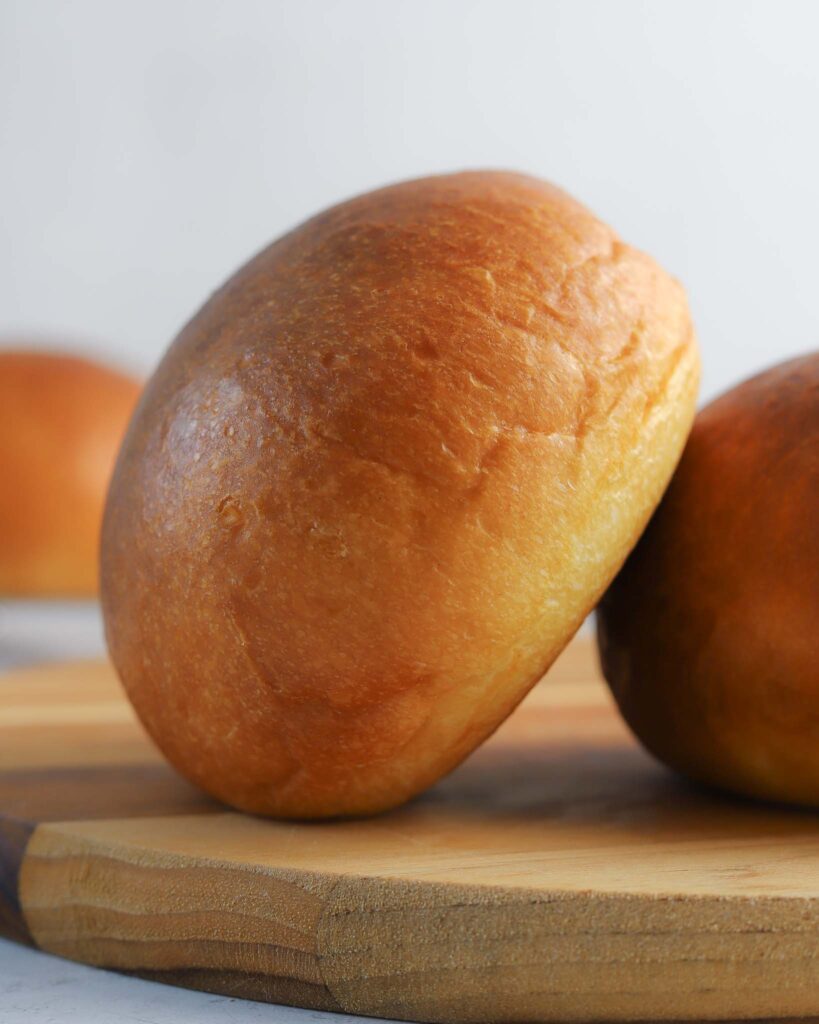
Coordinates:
(379, 480)
(61, 421)
(709, 636)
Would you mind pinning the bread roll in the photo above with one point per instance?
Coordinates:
(379, 480)
(709, 636)
(61, 422)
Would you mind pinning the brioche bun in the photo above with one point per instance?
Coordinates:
(61, 421)
(709, 636)
(379, 480)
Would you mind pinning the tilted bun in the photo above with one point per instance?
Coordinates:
(709, 636)
(61, 422)
(379, 480)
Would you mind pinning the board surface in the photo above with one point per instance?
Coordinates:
(559, 874)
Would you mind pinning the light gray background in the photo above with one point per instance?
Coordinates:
(148, 148)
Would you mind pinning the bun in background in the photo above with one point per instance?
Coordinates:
(61, 421)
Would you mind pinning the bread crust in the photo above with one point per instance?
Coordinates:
(709, 636)
(61, 422)
(378, 482)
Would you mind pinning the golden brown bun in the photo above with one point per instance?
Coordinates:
(709, 636)
(61, 422)
(379, 480)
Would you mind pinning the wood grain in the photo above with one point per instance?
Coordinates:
(559, 874)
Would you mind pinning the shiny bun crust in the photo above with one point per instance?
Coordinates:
(709, 636)
(378, 482)
(61, 421)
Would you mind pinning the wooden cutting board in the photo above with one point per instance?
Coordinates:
(560, 874)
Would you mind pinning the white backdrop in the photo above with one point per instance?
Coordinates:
(147, 149)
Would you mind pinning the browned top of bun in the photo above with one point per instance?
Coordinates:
(379, 480)
(61, 421)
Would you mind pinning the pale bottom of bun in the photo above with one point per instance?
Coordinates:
(617, 489)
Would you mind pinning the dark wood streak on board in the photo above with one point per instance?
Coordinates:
(247, 985)
(14, 836)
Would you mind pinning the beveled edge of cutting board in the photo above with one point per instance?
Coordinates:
(412, 949)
